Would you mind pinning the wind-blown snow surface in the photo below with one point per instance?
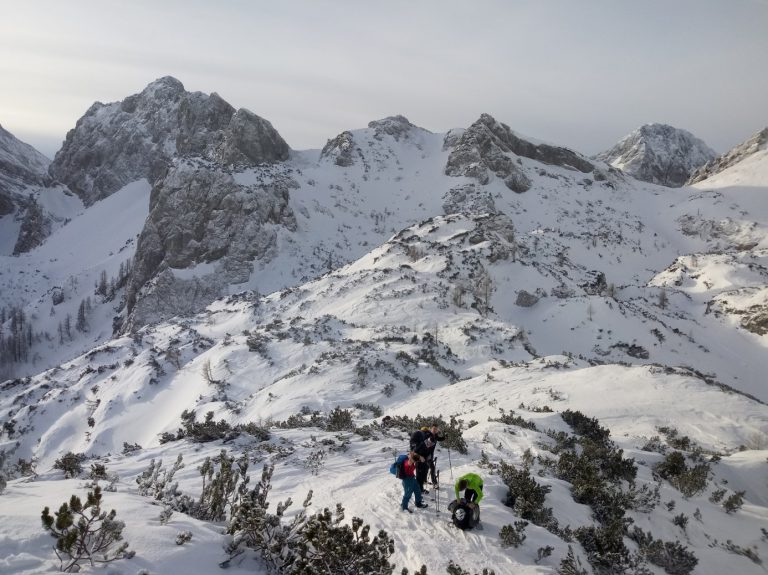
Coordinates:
(391, 330)
(640, 305)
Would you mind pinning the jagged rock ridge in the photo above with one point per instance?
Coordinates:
(23, 172)
(118, 143)
(659, 154)
(483, 149)
(756, 143)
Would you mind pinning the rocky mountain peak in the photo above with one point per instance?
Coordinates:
(660, 154)
(396, 126)
(23, 170)
(487, 147)
(20, 162)
(118, 143)
(754, 144)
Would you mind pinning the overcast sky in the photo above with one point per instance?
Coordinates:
(580, 73)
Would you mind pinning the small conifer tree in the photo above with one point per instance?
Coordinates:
(84, 532)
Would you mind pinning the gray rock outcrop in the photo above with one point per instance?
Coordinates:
(20, 165)
(659, 154)
(35, 227)
(485, 147)
(756, 143)
(23, 174)
(396, 126)
(468, 199)
(340, 150)
(200, 216)
(526, 299)
(118, 143)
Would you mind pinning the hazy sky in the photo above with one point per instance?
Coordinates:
(580, 73)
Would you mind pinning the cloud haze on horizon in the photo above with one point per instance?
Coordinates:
(580, 74)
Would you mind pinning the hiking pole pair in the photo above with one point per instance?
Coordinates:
(437, 487)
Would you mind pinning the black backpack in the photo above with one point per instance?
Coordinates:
(462, 515)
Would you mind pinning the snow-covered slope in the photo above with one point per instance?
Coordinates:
(424, 325)
(458, 277)
(743, 151)
(659, 154)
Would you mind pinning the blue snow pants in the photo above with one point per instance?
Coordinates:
(410, 487)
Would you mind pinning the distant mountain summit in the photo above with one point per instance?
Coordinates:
(20, 166)
(659, 154)
(754, 144)
(118, 143)
(30, 204)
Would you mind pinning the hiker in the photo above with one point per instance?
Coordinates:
(423, 442)
(431, 459)
(466, 509)
(472, 486)
(410, 485)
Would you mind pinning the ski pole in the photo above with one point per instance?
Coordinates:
(449, 462)
(437, 476)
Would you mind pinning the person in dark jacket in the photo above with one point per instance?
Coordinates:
(431, 459)
(410, 485)
(421, 443)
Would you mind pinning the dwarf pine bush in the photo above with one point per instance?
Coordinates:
(571, 565)
(524, 494)
(513, 535)
(84, 532)
(71, 464)
(222, 487)
(306, 545)
(674, 558)
(689, 481)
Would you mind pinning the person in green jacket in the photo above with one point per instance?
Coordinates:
(466, 509)
(472, 486)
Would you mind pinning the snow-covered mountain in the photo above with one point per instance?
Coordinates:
(659, 154)
(476, 276)
(754, 145)
(31, 205)
(115, 144)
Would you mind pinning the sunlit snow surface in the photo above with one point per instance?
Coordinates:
(345, 336)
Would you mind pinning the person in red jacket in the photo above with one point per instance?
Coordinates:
(410, 485)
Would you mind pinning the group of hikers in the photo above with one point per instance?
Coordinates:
(419, 465)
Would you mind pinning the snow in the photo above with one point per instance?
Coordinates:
(362, 307)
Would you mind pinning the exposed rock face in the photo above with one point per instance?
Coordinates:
(20, 163)
(479, 152)
(756, 143)
(250, 140)
(118, 143)
(484, 148)
(525, 299)
(396, 126)
(35, 227)
(340, 149)
(468, 199)
(659, 154)
(23, 173)
(21, 166)
(200, 215)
